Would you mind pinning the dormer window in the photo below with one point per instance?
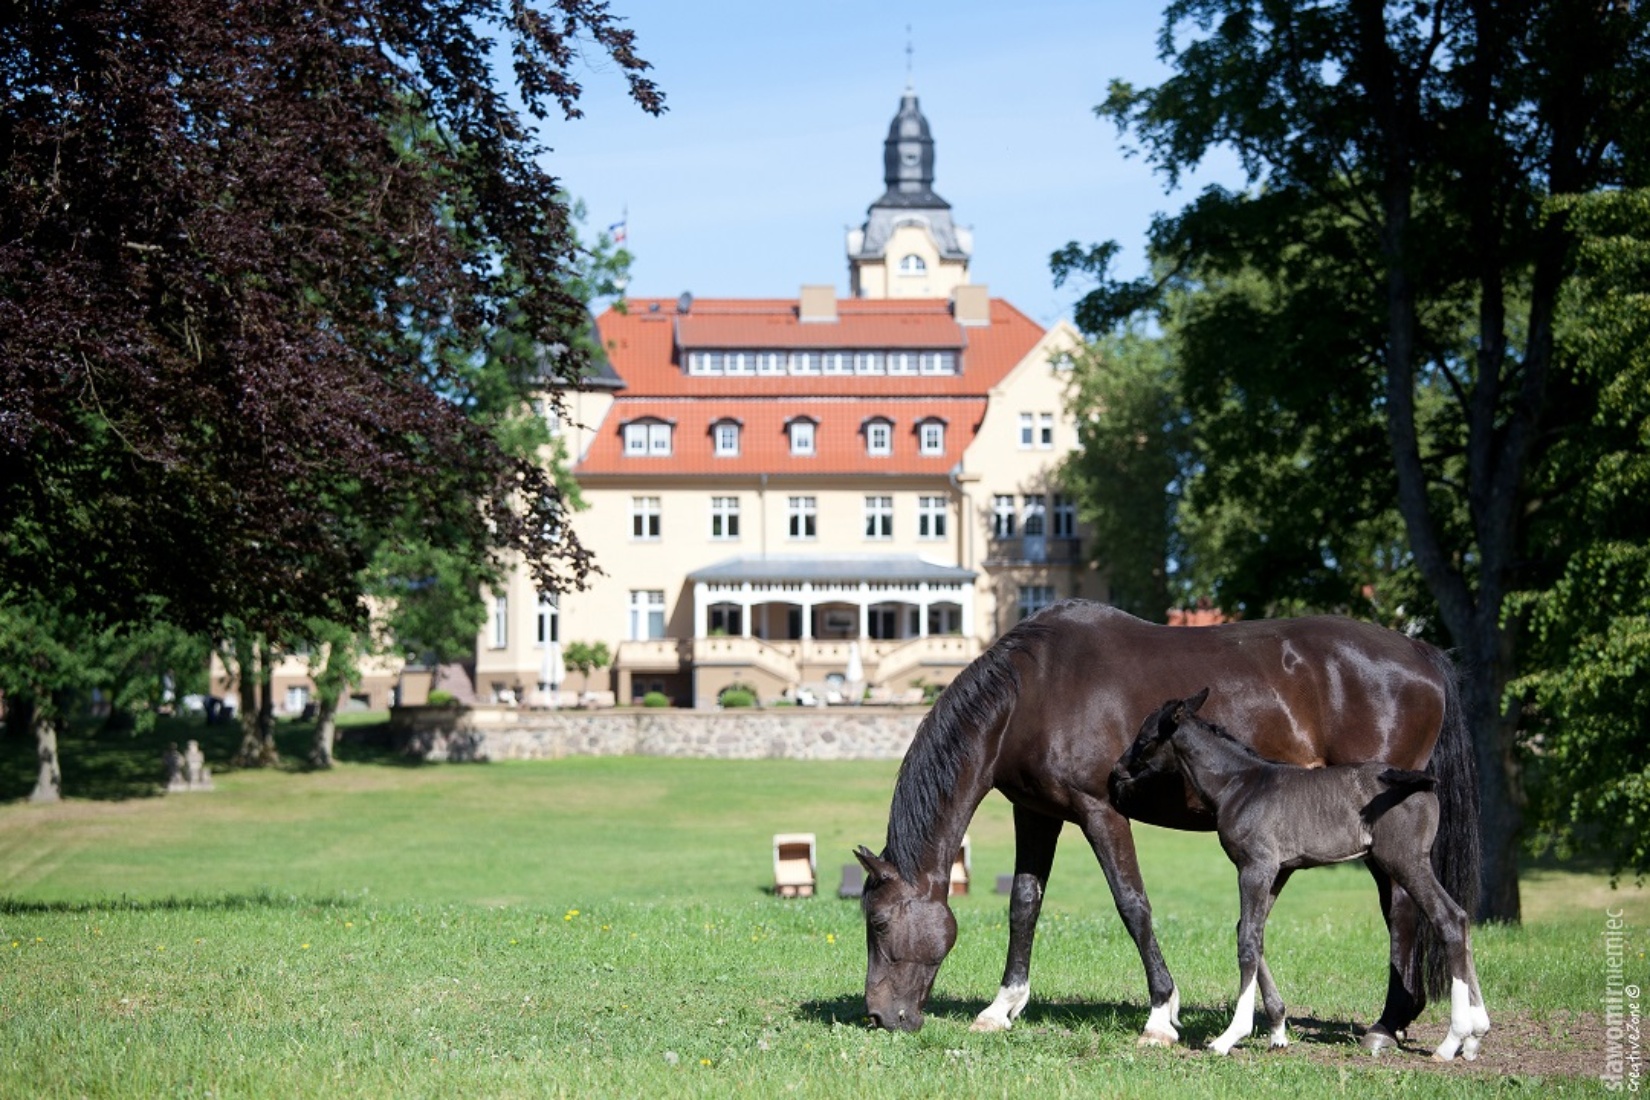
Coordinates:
(647, 439)
(931, 437)
(802, 437)
(879, 437)
(913, 264)
(725, 437)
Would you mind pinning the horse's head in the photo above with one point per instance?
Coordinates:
(909, 929)
(1150, 761)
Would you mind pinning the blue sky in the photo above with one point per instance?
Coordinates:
(772, 146)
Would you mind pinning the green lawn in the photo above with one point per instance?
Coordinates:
(603, 927)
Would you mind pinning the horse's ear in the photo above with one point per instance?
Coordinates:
(875, 866)
(1196, 701)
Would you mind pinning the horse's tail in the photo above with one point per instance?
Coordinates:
(1455, 850)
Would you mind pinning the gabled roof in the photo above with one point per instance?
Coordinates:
(765, 443)
(644, 346)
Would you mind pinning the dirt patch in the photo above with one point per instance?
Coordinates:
(1518, 1045)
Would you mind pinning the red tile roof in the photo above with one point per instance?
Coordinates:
(764, 441)
(642, 345)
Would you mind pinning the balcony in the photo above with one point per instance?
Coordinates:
(1034, 550)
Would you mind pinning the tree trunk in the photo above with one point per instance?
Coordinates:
(1489, 662)
(257, 716)
(326, 724)
(48, 787)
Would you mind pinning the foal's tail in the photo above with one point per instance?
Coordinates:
(1455, 851)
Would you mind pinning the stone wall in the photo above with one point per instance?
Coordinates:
(796, 733)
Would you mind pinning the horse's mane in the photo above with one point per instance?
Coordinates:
(950, 736)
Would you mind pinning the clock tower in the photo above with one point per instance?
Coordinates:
(908, 247)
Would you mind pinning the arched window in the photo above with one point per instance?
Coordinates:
(913, 264)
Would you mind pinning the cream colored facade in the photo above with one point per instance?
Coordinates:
(1014, 459)
(854, 604)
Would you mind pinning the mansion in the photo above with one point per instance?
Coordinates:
(839, 496)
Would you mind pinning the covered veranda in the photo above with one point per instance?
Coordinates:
(832, 597)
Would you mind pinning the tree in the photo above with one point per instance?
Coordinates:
(586, 657)
(248, 251)
(1436, 133)
(1130, 465)
(1588, 688)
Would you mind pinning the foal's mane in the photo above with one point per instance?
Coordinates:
(950, 736)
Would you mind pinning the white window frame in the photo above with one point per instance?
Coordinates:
(1065, 516)
(1028, 431)
(1035, 515)
(1003, 513)
(646, 614)
(770, 362)
(870, 362)
(646, 519)
(838, 362)
(501, 621)
(931, 516)
(903, 362)
(911, 265)
(879, 518)
(802, 518)
(1045, 431)
(805, 362)
(725, 438)
(802, 437)
(879, 438)
(549, 619)
(724, 518)
(939, 362)
(931, 437)
(739, 363)
(1034, 597)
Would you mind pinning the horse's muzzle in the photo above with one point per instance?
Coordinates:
(897, 1021)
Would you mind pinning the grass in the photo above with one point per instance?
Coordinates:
(602, 927)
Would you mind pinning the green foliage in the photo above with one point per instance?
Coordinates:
(735, 696)
(586, 657)
(655, 699)
(1589, 631)
(1131, 463)
(441, 697)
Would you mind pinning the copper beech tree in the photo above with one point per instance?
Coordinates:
(254, 255)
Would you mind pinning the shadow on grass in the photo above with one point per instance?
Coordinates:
(1197, 1026)
(107, 765)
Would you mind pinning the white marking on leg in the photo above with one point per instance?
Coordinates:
(1243, 1021)
(1001, 1013)
(1280, 1034)
(1460, 1022)
(1160, 1025)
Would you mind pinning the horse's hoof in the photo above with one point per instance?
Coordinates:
(1377, 1039)
(1157, 1039)
(985, 1023)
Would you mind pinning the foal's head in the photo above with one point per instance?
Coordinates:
(1151, 757)
(909, 929)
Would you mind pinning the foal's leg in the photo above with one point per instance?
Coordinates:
(1255, 883)
(1405, 985)
(1034, 839)
(1468, 1019)
(1268, 989)
(1109, 835)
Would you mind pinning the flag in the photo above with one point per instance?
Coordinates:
(616, 231)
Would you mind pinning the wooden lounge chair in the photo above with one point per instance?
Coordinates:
(794, 873)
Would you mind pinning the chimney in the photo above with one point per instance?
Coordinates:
(971, 304)
(817, 303)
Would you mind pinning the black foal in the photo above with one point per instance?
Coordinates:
(1276, 818)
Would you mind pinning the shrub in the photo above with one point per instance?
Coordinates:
(655, 699)
(442, 698)
(737, 697)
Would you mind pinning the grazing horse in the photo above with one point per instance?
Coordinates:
(1274, 819)
(1044, 714)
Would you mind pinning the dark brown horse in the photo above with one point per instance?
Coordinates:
(1045, 713)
